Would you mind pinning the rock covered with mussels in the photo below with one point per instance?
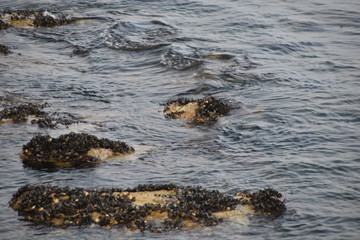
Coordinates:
(70, 150)
(153, 208)
(197, 111)
(38, 18)
(23, 112)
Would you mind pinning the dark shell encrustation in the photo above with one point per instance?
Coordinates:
(176, 206)
(197, 111)
(68, 150)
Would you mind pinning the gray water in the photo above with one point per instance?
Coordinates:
(291, 70)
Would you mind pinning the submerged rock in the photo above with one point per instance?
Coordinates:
(23, 112)
(198, 111)
(137, 37)
(4, 49)
(70, 150)
(154, 208)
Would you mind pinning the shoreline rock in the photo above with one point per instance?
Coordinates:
(154, 208)
(70, 150)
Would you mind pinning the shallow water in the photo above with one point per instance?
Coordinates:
(289, 68)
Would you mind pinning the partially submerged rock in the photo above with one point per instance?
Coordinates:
(23, 112)
(198, 111)
(70, 150)
(153, 208)
(4, 25)
(31, 19)
(4, 49)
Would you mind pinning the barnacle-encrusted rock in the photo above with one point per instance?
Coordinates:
(70, 150)
(21, 113)
(198, 111)
(4, 49)
(154, 208)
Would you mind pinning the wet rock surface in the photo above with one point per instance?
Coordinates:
(4, 49)
(154, 208)
(70, 150)
(197, 111)
(23, 112)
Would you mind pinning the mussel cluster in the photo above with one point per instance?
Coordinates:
(43, 119)
(4, 25)
(198, 111)
(68, 150)
(22, 112)
(4, 49)
(268, 202)
(48, 20)
(62, 206)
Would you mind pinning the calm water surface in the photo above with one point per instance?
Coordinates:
(291, 69)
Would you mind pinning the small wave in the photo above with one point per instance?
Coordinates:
(180, 58)
(227, 67)
(145, 36)
(301, 26)
(283, 48)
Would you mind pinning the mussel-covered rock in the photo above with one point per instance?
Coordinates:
(4, 25)
(198, 111)
(22, 112)
(31, 19)
(4, 49)
(153, 208)
(70, 150)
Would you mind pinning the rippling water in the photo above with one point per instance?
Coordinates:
(291, 70)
